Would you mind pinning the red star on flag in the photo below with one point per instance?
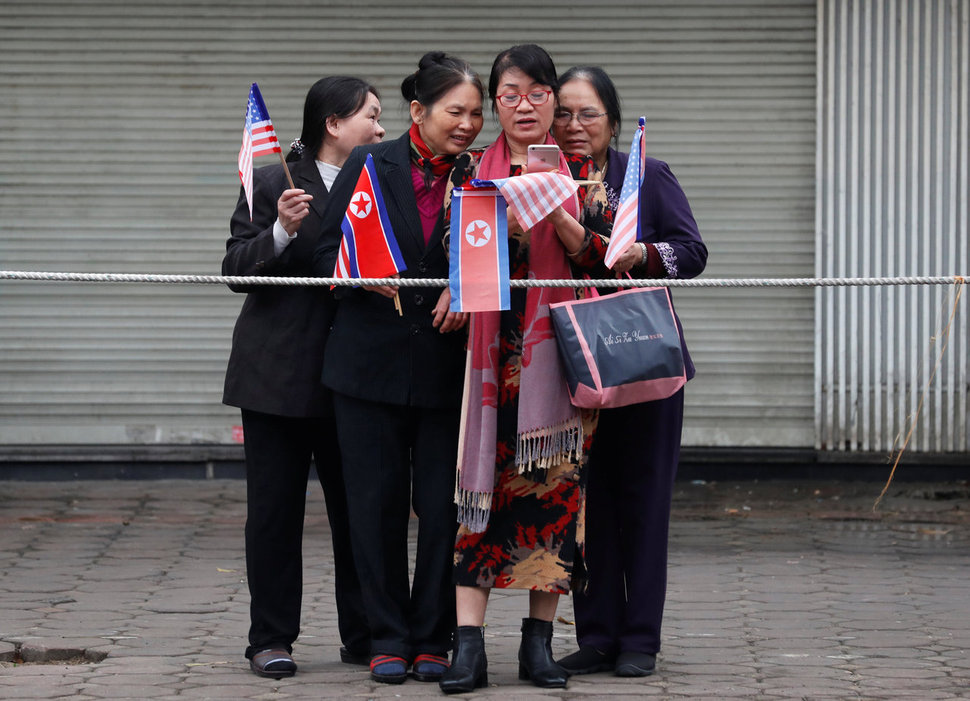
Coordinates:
(360, 205)
(478, 233)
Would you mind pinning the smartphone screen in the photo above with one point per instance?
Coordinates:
(543, 158)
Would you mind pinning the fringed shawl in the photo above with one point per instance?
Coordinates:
(549, 426)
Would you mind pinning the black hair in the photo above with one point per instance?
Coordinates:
(605, 90)
(337, 96)
(531, 59)
(438, 73)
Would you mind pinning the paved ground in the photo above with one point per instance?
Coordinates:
(777, 590)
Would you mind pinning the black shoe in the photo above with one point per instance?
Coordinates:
(357, 658)
(535, 656)
(588, 660)
(469, 666)
(635, 664)
(274, 663)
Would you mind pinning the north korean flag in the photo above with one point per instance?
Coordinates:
(368, 248)
(479, 265)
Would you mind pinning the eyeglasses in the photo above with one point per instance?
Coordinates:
(586, 117)
(536, 97)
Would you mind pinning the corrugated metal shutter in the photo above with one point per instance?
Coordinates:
(122, 123)
(893, 186)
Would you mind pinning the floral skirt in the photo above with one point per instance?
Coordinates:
(536, 528)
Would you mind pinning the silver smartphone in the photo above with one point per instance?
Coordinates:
(543, 158)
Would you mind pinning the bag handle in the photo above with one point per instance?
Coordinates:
(594, 291)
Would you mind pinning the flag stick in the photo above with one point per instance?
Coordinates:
(397, 304)
(591, 183)
(286, 169)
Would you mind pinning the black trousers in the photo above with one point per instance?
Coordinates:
(633, 462)
(397, 458)
(278, 454)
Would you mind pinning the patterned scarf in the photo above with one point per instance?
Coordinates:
(549, 426)
(433, 166)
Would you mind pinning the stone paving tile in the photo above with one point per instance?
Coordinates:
(787, 600)
(688, 657)
(712, 688)
(129, 691)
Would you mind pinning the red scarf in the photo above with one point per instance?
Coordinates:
(433, 166)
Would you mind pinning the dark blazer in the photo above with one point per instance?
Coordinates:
(373, 353)
(278, 342)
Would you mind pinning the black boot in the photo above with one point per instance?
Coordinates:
(535, 656)
(469, 668)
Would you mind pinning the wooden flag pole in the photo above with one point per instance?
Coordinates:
(286, 169)
(397, 304)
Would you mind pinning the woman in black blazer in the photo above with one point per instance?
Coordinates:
(397, 379)
(274, 377)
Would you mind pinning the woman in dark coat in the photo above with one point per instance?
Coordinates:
(274, 377)
(636, 448)
(397, 379)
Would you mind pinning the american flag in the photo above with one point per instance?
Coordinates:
(259, 139)
(626, 225)
(533, 195)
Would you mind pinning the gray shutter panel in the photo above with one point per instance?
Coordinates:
(123, 121)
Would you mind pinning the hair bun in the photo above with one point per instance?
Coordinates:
(431, 58)
(409, 87)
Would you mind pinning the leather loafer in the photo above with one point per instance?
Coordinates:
(588, 660)
(347, 657)
(274, 663)
(635, 664)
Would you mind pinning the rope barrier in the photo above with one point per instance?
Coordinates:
(956, 280)
(152, 278)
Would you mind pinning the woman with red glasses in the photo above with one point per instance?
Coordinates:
(521, 461)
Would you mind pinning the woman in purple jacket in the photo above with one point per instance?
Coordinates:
(636, 448)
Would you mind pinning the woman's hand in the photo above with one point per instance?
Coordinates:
(445, 320)
(388, 291)
(513, 224)
(571, 233)
(292, 208)
(630, 257)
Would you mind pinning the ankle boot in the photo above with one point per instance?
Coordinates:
(469, 667)
(535, 656)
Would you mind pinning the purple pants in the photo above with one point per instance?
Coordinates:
(631, 476)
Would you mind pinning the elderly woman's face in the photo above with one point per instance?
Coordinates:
(581, 124)
(526, 122)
